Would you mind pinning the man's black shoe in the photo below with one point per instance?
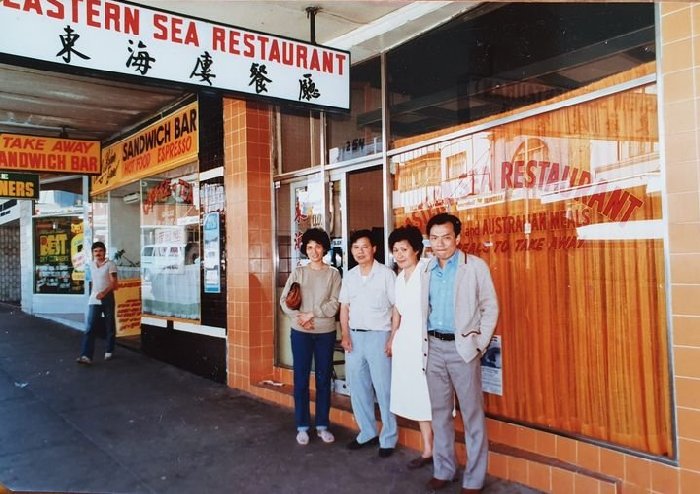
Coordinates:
(355, 445)
(386, 452)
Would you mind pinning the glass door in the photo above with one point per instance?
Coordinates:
(355, 202)
(342, 202)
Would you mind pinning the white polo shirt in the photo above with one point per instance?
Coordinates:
(370, 299)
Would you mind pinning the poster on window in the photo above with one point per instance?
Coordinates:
(307, 212)
(59, 257)
(128, 307)
(491, 368)
(212, 254)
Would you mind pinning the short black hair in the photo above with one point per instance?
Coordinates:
(98, 245)
(362, 234)
(441, 219)
(319, 236)
(409, 233)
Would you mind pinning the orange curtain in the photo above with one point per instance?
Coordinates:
(577, 260)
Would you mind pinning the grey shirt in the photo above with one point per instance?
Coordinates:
(319, 295)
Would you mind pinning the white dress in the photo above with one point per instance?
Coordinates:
(409, 388)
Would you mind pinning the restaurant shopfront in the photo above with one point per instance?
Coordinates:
(555, 155)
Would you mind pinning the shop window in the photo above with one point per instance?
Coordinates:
(566, 210)
(59, 255)
(170, 247)
(299, 207)
(62, 196)
(501, 57)
(299, 140)
(358, 133)
(99, 221)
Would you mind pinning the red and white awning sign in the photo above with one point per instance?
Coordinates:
(116, 36)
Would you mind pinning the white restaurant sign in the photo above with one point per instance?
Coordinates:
(116, 36)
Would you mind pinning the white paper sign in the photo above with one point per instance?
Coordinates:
(491, 368)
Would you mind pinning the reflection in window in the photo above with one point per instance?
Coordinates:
(506, 56)
(300, 132)
(170, 247)
(567, 212)
(358, 133)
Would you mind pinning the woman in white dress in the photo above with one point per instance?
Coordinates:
(409, 388)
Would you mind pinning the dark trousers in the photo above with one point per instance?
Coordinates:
(106, 308)
(319, 348)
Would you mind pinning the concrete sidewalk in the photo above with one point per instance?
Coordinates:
(136, 425)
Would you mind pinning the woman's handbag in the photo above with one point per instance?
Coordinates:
(293, 299)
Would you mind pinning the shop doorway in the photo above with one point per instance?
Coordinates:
(356, 202)
(345, 201)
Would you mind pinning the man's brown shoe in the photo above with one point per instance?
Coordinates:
(437, 484)
(419, 462)
(470, 491)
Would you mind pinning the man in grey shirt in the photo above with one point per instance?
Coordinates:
(366, 304)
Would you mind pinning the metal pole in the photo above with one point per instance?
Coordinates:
(311, 15)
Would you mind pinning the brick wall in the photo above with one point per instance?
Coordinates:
(680, 99)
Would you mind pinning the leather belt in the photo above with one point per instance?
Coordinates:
(442, 336)
(360, 330)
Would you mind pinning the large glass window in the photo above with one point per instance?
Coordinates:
(358, 133)
(299, 207)
(299, 140)
(565, 207)
(500, 57)
(59, 255)
(170, 246)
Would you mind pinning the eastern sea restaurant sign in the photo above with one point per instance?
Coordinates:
(115, 36)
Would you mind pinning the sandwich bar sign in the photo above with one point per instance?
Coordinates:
(49, 155)
(116, 36)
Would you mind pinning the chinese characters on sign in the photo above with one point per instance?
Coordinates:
(258, 75)
(307, 88)
(140, 60)
(204, 63)
(137, 41)
(68, 41)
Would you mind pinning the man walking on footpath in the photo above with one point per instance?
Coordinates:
(366, 305)
(103, 273)
(460, 300)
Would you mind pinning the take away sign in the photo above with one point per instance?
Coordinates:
(49, 155)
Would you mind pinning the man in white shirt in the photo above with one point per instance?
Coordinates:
(103, 273)
(366, 303)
